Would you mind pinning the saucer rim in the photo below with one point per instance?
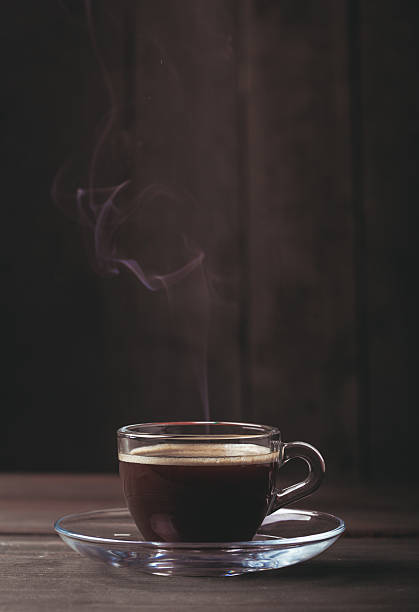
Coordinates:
(276, 541)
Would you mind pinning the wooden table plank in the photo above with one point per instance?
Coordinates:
(31, 502)
(41, 573)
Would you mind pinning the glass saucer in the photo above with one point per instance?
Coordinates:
(286, 537)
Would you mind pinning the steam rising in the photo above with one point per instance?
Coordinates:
(140, 228)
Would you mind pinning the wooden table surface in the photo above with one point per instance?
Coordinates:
(375, 566)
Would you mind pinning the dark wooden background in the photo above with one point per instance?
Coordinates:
(293, 126)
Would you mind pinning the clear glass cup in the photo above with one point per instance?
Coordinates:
(200, 481)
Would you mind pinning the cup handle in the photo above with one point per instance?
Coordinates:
(316, 470)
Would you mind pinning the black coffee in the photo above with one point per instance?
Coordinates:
(198, 492)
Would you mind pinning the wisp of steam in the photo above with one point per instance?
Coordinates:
(116, 220)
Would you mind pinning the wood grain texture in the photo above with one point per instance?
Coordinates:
(288, 133)
(32, 502)
(57, 359)
(39, 574)
(300, 229)
(184, 146)
(390, 99)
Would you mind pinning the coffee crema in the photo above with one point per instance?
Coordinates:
(200, 454)
(198, 492)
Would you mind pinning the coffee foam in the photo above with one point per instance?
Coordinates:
(200, 454)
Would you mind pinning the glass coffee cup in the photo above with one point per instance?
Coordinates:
(200, 481)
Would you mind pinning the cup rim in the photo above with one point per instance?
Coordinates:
(260, 431)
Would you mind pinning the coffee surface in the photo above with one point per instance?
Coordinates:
(200, 454)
